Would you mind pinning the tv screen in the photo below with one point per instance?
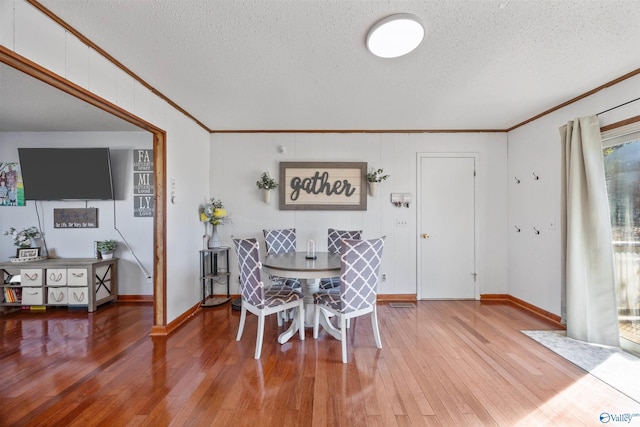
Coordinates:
(66, 173)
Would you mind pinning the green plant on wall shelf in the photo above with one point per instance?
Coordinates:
(376, 175)
(107, 246)
(266, 182)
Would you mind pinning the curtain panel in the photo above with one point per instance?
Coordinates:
(590, 300)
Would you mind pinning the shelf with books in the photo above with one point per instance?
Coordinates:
(72, 282)
(12, 295)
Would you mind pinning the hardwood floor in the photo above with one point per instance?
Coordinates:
(442, 363)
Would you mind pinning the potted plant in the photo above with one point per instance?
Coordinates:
(23, 238)
(266, 184)
(106, 248)
(373, 178)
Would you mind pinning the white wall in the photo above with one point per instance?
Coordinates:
(237, 160)
(536, 261)
(78, 243)
(31, 34)
(533, 271)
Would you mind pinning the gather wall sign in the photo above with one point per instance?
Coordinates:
(323, 186)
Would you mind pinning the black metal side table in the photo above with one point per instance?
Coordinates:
(214, 269)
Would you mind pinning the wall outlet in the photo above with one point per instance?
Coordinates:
(384, 277)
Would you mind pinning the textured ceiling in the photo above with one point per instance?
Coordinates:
(303, 65)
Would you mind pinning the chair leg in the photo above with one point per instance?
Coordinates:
(301, 319)
(316, 322)
(374, 326)
(279, 316)
(243, 317)
(343, 336)
(260, 336)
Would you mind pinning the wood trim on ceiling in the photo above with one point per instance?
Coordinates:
(362, 131)
(578, 98)
(34, 70)
(117, 63)
(29, 67)
(98, 49)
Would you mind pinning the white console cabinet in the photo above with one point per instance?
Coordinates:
(86, 282)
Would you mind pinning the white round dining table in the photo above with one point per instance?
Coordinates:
(295, 265)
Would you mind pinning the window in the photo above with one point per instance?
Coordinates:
(621, 149)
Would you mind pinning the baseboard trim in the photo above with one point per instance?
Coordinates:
(385, 298)
(517, 302)
(159, 331)
(382, 299)
(142, 299)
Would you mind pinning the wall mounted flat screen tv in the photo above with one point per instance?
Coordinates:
(66, 173)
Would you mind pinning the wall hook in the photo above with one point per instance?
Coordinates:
(536, 177)
(517, 228)
(517, 180)
(536, 231)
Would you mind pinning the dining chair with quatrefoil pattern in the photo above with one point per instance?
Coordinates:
(258, 300)
(359, 274)
(281, 241)
(334, 238)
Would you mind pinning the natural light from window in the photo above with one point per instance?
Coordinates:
(622, 171)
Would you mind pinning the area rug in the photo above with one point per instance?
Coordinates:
(619, 369)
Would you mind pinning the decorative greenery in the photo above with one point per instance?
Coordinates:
(22, 238)
(266, 182)
(106, 246)
(214, 212)
(376, 175)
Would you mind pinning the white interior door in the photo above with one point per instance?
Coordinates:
(447, 221)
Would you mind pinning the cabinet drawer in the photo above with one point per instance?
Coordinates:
(31, 277)
(78, 296)
(77, 277)
(57, 296)
(32, 296)
(56, 276)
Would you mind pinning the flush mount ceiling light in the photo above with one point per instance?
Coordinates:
(395, 35)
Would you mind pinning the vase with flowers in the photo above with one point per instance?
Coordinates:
(23, 238)
(215, 214)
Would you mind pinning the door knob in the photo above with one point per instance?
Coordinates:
(425, 236)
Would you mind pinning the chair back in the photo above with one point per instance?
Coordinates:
(335, 236)
(280, 241)
(250, 269)
(359, 273)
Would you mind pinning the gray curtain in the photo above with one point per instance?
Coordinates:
(591, 313)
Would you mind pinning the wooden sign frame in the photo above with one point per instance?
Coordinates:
(75, 218)
(323, 186)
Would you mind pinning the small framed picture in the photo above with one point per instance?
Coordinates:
(28, 252)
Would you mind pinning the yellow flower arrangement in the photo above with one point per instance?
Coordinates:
(213, 212)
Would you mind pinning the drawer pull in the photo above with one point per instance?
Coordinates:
(31, 277)
(53, 297)
(55, 278)
(77, 274)
(80, 299)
